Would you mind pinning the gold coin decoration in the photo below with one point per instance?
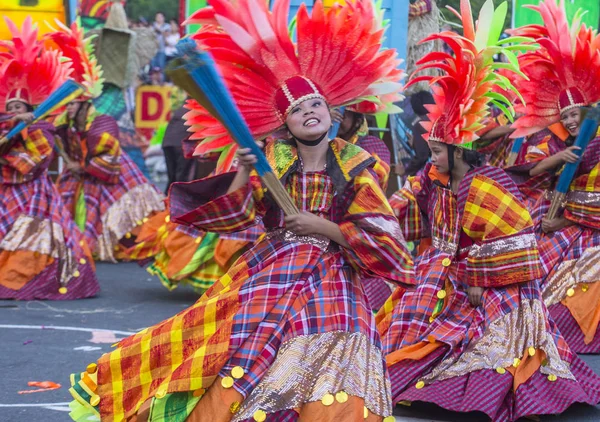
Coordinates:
(420, 385)
(327, 399)
(82, 261)
(127, 235)
(237, 372)
(585, 288)
(167, 218)
(501, 370)
(260, 416)
(389, 419)
(62, 290)
(441, 294)
(365, 412)
(76, 273)
(552, 378)
(227, 382)
(571, 292)
(531, 351)
(341, 397)
(516, 362)
(446, 262)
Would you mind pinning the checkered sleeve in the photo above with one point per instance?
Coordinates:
(505, 248)
(582, 205)
(412, 219)
(205, 204)
(104, 157)
(33, 154)
(377, 246)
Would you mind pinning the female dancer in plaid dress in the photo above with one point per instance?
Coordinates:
(42, 253)
(107, 195)
(474, 335)
(286, 333)
(568, 243)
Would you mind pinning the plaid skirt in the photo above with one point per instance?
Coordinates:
(570, 259)
(110, 211)
(42, 253)
(287, 325)
(440, 349)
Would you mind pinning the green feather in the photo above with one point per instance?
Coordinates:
(497, 23)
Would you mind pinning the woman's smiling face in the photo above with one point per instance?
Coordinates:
(571, 120)
(309, 119)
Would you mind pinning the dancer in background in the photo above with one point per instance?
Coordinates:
(287, 332)
(566, 74)
(42, 253)
(107, 195)
(474, 335)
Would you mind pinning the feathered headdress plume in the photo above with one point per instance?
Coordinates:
(28, 72)
(337, 56)
(563, 74)
(73, 45)
(465, 90)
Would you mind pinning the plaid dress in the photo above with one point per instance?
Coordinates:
(111, 197)
(287, 329)
(496, 358)
(179, 254)
(42, 253)
(570, 258)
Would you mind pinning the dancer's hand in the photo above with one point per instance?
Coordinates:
(475, 295)
(246, 159)
(554, 224)
(336, 116)
(568, 155)
(74, 167)
(305, 223)
(24, 117)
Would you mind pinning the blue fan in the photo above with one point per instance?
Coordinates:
(195, 71)
(64, 94)
(587, 132)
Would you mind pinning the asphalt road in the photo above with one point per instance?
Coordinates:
(46, 341)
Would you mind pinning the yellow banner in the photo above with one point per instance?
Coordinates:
(152, 106)
(41, 11)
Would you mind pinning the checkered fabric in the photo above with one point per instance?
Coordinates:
(411, 316)
(489, 392)
(568, 245)
(278, 290)
(419, 7)
(583, 200)
(109, 174)
(30, 157)
(39, 199)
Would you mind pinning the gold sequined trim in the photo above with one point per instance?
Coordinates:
(284, 235)
(444, 246)
(315, 367)
(504, 343)
(44, 237)
(500, 246)
(124, 215)
(570, 274)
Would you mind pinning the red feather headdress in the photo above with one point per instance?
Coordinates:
(73, 45)
(469, 78)
(28, 72)
(337, 57)
(563, 74)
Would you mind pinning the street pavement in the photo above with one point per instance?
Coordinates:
(46, 341)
